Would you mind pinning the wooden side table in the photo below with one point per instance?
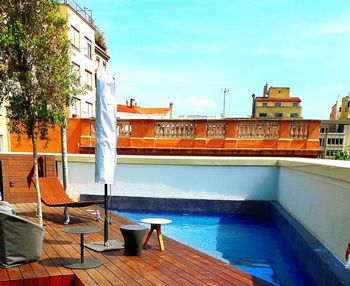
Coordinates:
(156, 225)
(82, 263)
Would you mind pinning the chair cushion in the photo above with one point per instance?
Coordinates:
(7, 208)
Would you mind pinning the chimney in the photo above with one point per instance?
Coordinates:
(132, 102)
(171, 110)
(253, 106)
(127, 103)
(265, 90)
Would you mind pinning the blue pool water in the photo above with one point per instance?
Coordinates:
(253, 245)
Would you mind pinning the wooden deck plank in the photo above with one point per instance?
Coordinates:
(178, 265)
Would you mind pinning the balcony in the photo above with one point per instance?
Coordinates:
(229, 137)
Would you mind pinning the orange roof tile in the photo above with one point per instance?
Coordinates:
(125, 108)
(142, 110)
(289, 99)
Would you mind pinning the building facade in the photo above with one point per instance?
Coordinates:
(276, 103)
(345, 107)
(86, 56)
(336, 111)
(334, 136)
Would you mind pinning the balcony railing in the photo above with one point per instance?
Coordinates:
(85, 13)
(268, 137)
(258, 130)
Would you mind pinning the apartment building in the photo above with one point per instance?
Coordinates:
(345, 107)
(336, 111)
(276, 103)
(334, 136)
(86, 56)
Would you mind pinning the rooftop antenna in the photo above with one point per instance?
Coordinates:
(224, 91)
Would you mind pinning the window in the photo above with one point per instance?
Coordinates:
(329, 141)
(88, 48)
(97, 62)
(264, 104)
(348, 103)
(278, 115)
(341, 141)
(337, 141)
(76, 69)
(104, 65)
(75, 109)
(262, 114)
(277, 104)
(89, 109)
(294, 115)
(75, 37)
(295, 104)
(321, 142)
(88, 80)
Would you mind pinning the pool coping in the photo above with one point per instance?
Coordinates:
(319, 263)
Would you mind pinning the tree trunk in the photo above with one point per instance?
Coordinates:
(64, 155)
(36, 175)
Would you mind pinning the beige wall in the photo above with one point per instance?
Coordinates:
(4, 136)
(86, 32)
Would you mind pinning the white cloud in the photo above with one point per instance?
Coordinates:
(195, 102)
(337, 27)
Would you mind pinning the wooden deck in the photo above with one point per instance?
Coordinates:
(178, 265)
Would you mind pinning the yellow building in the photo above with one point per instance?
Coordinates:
(276, 103)
(345, 108)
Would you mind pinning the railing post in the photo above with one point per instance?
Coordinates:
(142, 134)
(313, 132)
(284, 140)
(231, 133)
(200, 134)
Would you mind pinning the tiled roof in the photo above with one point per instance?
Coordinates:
(124, 108)
(141, 110)
(163, 111)
(267, 99)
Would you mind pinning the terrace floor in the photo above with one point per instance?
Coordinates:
(178, 265)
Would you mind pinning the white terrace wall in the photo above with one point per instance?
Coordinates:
(317, 194)
(180, 177)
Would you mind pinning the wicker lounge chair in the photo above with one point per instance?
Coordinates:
(21, 240)
(53, 195)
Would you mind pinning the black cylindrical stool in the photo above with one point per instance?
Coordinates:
(133, 236)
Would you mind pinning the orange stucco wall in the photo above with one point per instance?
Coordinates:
(81, 138)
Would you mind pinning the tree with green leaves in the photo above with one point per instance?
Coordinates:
(342, 155)
(37, 79)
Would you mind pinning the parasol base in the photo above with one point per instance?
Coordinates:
(100, 246)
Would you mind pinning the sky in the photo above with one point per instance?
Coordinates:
(186, 51)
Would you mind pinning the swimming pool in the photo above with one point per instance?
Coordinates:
(253, 245)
